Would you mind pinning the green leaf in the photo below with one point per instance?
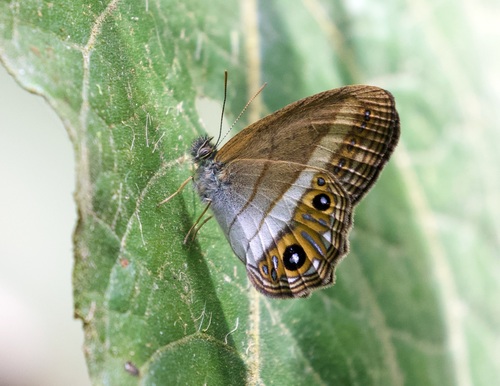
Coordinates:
(416, 298)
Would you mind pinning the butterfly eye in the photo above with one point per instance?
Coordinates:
(204, 152)
(202, 149)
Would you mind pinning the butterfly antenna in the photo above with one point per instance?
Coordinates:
(242, 111)
(223, 108)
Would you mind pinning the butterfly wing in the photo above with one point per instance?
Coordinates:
(291, 243)
(350, 131)
(287, 185)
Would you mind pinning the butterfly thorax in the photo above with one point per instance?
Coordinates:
(207, 180)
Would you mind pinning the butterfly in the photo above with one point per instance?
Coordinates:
(283, 190)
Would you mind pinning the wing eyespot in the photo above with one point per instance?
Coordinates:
(340, 165)
(321, 202)
(294, 257)
(273, 275)
(351, 144)
(362, 127)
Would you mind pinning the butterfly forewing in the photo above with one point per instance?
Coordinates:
(370, 131)
(351, 131)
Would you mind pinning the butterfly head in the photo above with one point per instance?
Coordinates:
(203, 150)
(207, 179)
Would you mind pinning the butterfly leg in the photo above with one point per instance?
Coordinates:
(176, 192)
(195, 229)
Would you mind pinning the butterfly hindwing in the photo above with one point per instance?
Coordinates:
(304, 255)
(291, 243)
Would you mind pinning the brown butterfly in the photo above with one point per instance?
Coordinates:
(283, 190)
